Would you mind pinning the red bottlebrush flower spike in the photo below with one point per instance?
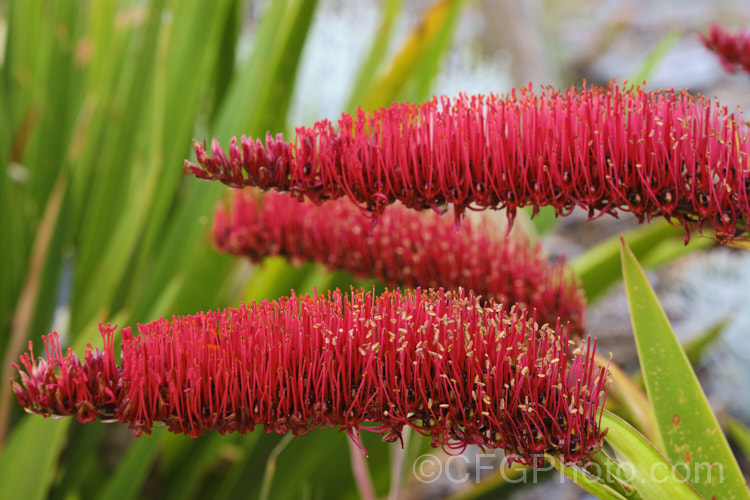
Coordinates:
(405, 248)
(654, 154)
(437, 362)
(733, 50)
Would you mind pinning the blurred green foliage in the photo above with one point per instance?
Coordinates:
(100, 100)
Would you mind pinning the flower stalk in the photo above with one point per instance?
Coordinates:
(437, 362)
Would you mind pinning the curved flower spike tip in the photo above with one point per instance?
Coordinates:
(405, 248)
(437, 362)
(607, 150)
(733, 50)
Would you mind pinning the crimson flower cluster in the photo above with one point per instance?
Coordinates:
(607, 150)
(405, 248)
(437, 362)
(733, 49)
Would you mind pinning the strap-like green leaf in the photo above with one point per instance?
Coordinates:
(642, 465)
(691, 435)
(587, 481)
(27, 463)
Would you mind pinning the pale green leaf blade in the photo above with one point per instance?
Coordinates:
(686, 424)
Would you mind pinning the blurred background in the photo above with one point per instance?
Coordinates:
(100, 101)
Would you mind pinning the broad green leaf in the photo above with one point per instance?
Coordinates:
(172, 237)
(99, 116)
(27, 463)
(208, 280)
(54, 261)
(79, 465)
(688, 428)
(275, 277)
(11, 223)
(253, 105)
(184, 254)
(643, 466)
(278, 87)
(20, 214)
(321, 463)
(671, 249)
(103, 18)
(319, 280)
(320, 460)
